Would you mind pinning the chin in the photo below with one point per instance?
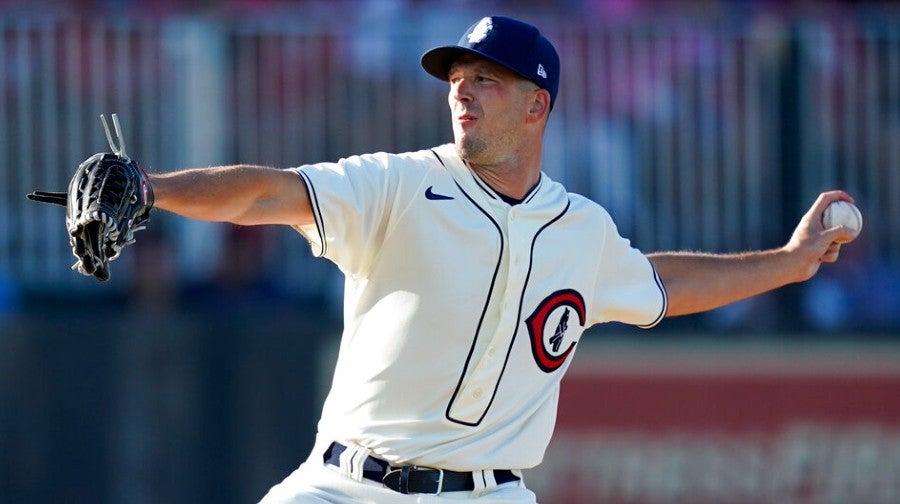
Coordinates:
(470, 149)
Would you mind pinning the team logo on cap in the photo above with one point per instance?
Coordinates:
(480, 31)
(557, 320)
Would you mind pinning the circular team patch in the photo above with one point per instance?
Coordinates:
(558, 314)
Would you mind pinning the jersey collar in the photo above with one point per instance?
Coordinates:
(546, 196)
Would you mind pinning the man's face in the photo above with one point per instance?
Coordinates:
(488, 105)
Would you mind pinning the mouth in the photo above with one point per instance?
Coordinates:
(465, 119)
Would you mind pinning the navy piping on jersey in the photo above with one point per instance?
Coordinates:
(478, 330)
(509, 199)
(521, 303)
(438, 157)
(659, 283)
(483, 311)
(531, 260)
(665, 298)
(487, 302)
(317, 212)
(490, 192)
(535, 189)
(515, 201)
(484, 187)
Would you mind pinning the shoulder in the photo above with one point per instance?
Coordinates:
(417, 160)
(591, 215)
(374, 168)
(583, 204)
(422, 159)
(578, 205)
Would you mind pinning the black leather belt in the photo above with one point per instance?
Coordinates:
(414, 479)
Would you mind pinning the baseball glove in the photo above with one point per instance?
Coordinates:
(109, 199)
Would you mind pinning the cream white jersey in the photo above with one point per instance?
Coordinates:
(462, 312)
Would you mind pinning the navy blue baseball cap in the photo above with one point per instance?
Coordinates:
(511, 43)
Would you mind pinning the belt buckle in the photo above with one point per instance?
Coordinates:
(399, 476)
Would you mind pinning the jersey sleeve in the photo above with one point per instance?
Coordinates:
(352, 202)
(628, 289)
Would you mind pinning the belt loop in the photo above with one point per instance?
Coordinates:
(404, 479)
(352, 461)
(484, 482)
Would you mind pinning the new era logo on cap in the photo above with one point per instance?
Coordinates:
(514, 44)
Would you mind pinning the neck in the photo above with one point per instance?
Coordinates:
(514, 182)
(513, 177)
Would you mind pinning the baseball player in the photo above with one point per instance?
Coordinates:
(470, 277)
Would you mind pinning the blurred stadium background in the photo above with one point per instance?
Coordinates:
(195, 374)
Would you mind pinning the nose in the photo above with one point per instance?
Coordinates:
(460, 91)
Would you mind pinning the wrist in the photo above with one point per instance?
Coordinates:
(793, 265)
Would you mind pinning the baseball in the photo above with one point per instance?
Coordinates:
(843, 213)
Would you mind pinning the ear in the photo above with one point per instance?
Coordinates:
(540, 105)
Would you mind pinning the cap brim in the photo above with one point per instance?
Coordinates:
(438, 61)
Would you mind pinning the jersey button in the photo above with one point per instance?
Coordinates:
(477, 393)
(492, 351)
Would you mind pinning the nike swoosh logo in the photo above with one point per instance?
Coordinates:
(435, 196)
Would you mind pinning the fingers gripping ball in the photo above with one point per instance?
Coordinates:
(843, 213)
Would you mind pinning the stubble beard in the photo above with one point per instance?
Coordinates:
(471, 149)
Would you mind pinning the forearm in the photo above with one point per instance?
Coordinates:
(697, 282)
(242, 194)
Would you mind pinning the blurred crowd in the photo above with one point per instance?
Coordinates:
(195, 374)
(677, 168)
